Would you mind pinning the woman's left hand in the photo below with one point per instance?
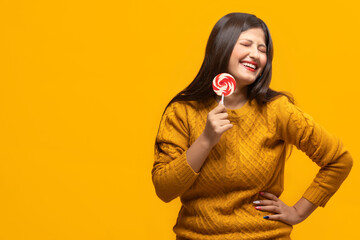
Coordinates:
(283, 212)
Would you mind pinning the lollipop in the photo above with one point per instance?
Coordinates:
(224, 85)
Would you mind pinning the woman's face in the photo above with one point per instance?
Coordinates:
(248, 57)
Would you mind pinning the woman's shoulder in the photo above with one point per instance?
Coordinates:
(185, 108)
(275, 105)
(284, 108)
(281, 106)
(279, 101)
(188, 107)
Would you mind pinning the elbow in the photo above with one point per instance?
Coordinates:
(163, 190)
(163, 196)
(349, 163)
(345, 164)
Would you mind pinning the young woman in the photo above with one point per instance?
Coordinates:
(226, 162)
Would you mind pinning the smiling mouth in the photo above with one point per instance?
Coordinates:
(249, 66)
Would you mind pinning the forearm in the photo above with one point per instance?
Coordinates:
(329, 178)
(198, 152)
(171, 179)
(304, 208)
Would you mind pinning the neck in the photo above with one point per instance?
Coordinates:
(235, 100)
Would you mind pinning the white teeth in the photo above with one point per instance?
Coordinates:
(248, 65)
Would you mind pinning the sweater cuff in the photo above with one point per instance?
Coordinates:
(317, 196)
(184, 173)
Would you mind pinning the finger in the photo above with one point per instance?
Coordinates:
(278, 217)
(273, 209)
(224, 122)
(219, 108)
(266, 202)
(226, 127)
(269, 195)
(223, 115)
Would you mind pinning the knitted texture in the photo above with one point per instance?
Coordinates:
(249, 158)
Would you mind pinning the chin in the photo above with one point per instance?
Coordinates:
(244, 82)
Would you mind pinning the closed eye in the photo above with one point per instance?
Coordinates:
(261, 49)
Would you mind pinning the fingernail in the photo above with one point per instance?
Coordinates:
(266, 217)
(256, 202)
(257, 207)
(261, 193)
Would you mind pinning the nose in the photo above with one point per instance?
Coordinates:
(254, 53)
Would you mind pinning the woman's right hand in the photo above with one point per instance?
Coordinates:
(216, 124)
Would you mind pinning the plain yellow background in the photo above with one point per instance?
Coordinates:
(83, 87)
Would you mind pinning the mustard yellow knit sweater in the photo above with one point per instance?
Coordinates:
(250, 157)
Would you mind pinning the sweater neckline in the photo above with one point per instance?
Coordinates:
(235, 113)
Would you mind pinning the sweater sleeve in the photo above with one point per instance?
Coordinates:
(298, 128)
(171, 173)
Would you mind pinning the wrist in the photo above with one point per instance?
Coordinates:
(304, 208)
(205, 141)
(300, 214)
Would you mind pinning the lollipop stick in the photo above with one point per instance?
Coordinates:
(222, 99)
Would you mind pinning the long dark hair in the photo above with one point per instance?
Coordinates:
(221, 42)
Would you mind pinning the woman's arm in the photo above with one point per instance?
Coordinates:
(287, 214)
(198, 152)
(304, 208)
(176, 166)
(326, 150)
(171, 173)
(216, 125)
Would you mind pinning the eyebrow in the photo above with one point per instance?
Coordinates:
(252, 41)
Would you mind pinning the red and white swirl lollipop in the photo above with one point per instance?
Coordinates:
(224, 85)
